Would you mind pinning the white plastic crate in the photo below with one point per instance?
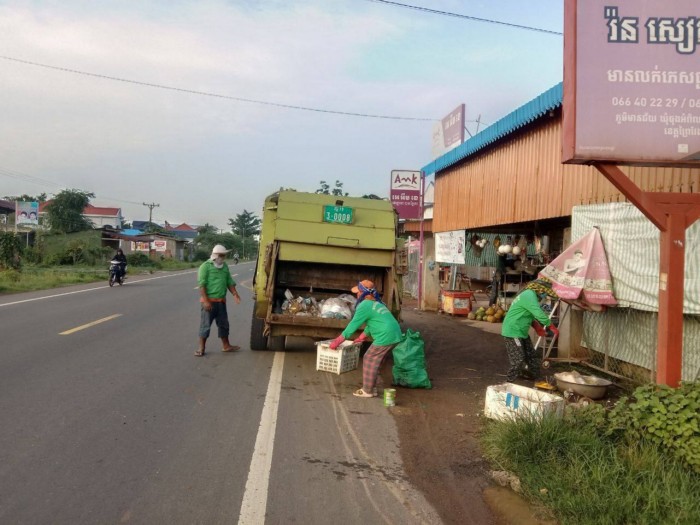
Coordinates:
(343, 359)
(508, 401)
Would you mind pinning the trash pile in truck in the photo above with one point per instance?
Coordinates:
(341, 307)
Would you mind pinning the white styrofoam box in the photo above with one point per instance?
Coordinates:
(508, 401)
(343, 359)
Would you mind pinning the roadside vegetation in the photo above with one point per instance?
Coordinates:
(638, 462)
(66, 249)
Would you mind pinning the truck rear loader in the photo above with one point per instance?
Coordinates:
(320, 246)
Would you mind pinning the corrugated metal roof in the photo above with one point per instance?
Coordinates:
(525, 114)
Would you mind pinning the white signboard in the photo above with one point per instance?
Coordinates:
(449, 247)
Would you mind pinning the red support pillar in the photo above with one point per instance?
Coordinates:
(672, 213)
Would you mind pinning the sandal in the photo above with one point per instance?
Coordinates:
(362, 393)
(231, 348)
(199, 353)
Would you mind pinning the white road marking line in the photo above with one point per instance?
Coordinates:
(83, 327)
(254, 502)
(90, 289)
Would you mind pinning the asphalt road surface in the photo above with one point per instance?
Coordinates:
(107, 417)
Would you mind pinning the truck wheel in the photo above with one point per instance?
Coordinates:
(257, 340)
(276, 343)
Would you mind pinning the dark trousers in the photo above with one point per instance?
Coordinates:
(217, 313)
(521, 352)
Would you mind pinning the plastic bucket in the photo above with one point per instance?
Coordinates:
(389, 397)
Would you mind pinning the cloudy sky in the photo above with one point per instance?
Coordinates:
(181, 102)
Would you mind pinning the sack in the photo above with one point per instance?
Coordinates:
(409, 362)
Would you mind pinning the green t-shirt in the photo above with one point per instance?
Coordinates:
(215, 280)
(382, 326)
(522, 312)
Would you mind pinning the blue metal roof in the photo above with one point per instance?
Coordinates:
(525, 114)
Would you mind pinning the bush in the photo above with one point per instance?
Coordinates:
(10, 251)
(668, 417)
(139, 259)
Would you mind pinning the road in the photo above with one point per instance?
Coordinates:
(107, 417)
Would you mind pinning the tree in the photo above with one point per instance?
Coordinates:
(64, 213)
(206, 229)
(325, 189)
(26, 198)
(245, 225)
(152, 227)
(372, 196)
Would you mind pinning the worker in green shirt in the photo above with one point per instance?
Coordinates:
(214, 280)
(380, 324)
(525, 311)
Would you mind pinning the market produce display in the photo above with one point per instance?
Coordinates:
(492, 314)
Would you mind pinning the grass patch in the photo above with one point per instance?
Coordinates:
(590, 479)
(32, 278)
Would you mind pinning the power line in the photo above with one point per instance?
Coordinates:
(466, 17)
(215, 95)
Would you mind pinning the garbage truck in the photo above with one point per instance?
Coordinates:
(316, 247)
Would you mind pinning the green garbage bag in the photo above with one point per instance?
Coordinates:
(409, 362)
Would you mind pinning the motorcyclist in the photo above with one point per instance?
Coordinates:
(235, 258)
(119, 256)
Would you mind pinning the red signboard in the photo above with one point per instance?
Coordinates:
(632, 82)
(406, 193)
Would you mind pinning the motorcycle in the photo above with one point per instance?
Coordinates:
(235, 260)
(116, 274)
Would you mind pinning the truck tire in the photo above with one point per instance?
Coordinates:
(276, 343)
(257, 340)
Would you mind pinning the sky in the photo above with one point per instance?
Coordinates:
(191, 105)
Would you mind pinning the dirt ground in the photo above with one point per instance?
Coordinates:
(438, 428)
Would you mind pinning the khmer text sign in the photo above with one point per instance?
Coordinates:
(632, 82)
(406, 189)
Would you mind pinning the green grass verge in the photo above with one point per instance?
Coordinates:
(32, 278)
(586, 479)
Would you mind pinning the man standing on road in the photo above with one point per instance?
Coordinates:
(214, 279)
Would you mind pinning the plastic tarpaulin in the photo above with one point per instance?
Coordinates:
(632, 248)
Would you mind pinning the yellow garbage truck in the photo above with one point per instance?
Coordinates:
(315, 248)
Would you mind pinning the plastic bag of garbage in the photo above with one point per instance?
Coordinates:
(335, 308)
(409, 362)
(350, 299)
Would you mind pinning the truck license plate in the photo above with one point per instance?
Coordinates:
(337, 214)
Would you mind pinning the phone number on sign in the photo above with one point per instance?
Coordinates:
(644, 102)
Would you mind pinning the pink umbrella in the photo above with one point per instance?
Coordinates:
(580, 275)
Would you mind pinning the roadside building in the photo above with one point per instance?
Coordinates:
(99, 216)
(507, 185)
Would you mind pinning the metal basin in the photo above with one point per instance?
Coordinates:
(595, 390)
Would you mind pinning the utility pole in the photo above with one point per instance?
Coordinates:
(150, 211)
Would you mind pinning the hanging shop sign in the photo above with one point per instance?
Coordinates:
(449, 247)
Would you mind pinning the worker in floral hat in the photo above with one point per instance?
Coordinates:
(380, 325)
(522, 314)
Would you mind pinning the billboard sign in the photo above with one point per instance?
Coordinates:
(631, 82)
(449, 132)
(405, 193)
(26, 212)
(449, 247)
